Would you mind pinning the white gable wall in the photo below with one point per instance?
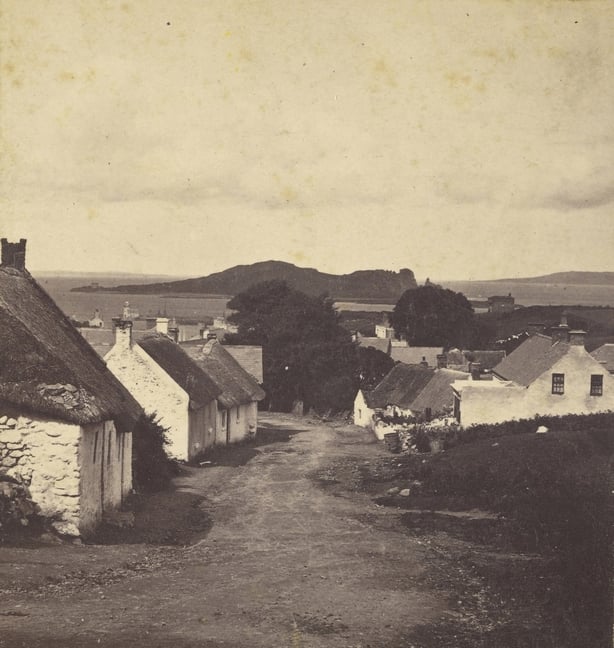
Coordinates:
(496, 402)
(155, 391)
(363, 414)
(577, 366)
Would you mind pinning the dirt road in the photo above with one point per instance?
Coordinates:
(285, 563)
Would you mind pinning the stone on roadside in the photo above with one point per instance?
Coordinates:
(393, 491)
(405, 492)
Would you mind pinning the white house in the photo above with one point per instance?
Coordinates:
(237, 416)
(543, 376)
(65, 421)
(407, 391)
(165, 381)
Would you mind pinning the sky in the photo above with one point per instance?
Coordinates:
(463, 140)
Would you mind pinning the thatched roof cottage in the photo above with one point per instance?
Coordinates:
(165, 381)
(65, 420)
(239, 392)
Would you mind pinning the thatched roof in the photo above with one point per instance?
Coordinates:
(416, 388)
(47, 367)
(237, 385)
(437, 395)
(181, 368)
(400, 386)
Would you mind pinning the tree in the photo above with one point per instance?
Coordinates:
(152, 470)
(434, 316)
(307, 355)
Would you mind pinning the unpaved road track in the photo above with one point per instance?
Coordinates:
(285, 563)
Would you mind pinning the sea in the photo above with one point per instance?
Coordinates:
(81, 305)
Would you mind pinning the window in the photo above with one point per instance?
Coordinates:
(596, 385)
(558, 383)
(224, 414)
(238, 413)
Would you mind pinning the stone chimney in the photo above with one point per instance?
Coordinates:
(475, 369)
(577, 337)
(123, 332)
(162, 325)
(423, 362)
(13, 254)
(173, 330)
(560, 333)
(442, 361)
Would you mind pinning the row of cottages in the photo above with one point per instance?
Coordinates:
(65, 420)
(239, 393)
(200, 393)
(407, 391)
(543, 376)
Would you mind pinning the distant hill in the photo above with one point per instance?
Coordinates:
(362, 284)
(570, 278)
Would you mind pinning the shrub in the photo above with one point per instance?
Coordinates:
(554, 493)
(152, 469)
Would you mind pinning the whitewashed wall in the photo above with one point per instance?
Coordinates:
(56, 461)
(156, 392)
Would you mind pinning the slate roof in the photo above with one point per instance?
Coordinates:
(487, 358)
(47, 367)
(249, 357)
(414, 355)
(605, 355)
(438, 394)
(381, 344)
(182, 369)
(400, 386)
(236, 385)
(530, 360)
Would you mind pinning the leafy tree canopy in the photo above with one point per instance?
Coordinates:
(307, 355)
(434, 316)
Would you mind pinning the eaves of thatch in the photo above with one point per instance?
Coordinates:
(237, 386)
(181, 368)
(47, 367)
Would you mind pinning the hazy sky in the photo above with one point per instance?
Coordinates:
(459, 139)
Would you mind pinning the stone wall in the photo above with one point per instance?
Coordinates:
(73, 473)
(43, 455)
